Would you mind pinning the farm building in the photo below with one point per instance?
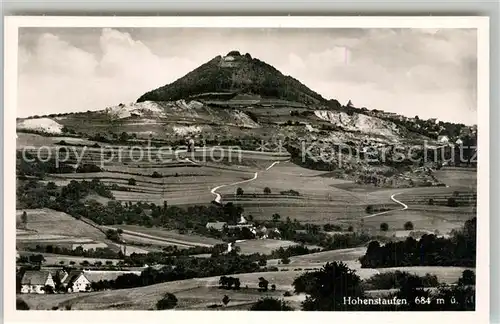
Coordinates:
(33, 282)
(216, 225)
(76, 282)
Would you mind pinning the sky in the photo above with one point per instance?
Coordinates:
(424, 72)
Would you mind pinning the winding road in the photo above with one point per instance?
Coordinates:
(218, 197)
(388, 211)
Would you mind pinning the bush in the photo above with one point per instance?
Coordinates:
(267, 190)
(408, 226)
(88, 168)
(131, 182)
(287, 294)
(384, 227)
(369, 209)
(156, 175)
(452, 202)
(239, 191)
(431, 201)
(168, 301)
(397, 279)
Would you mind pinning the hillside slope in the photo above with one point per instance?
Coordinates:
(226, 76)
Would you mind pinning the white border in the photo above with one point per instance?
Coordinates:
(10, 89)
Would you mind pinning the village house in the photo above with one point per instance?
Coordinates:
(76, 282)
(34, 282)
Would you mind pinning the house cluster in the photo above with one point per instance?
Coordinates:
(39, 281)
(260, 232)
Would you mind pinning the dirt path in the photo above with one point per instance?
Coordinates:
(388, 211)
(218, 197)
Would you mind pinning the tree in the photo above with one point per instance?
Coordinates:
(285, 260)
(124, 137)
(408, 226)
(131, 182)
(384, 227)
(350, 228)
(273, 287)
(431, 201)
(263, 284)
(225, 300)
(168, 301)
(468, 278)
(267, 190)
(276, 217)
(239, 191)
(24, 219)
(271, 304)
(327, 287)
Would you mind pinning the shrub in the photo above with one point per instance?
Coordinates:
(431, 201)
(452, 202)
(384, 227)
(131, 182)
(287, 294)
(239, 191)
(156, 175)
(88, 168)
(408, 226)
(168, 301)
(267, 190)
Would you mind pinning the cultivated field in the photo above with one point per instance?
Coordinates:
(167, 236)
(262, 246)
(51, 224)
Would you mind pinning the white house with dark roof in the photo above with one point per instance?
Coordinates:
(76, 282)
(33, 282)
